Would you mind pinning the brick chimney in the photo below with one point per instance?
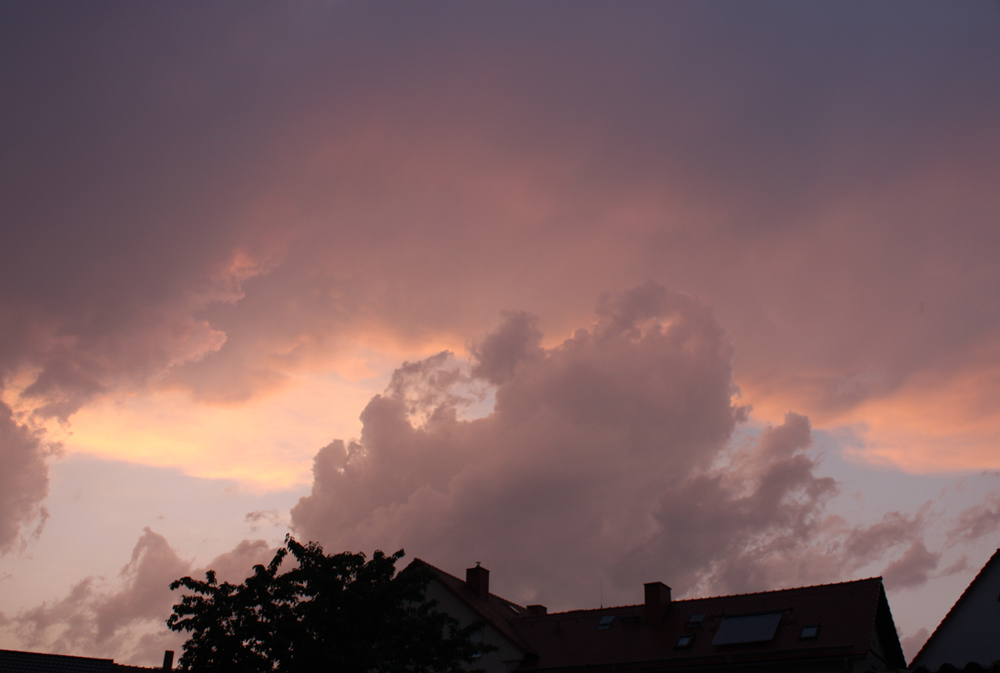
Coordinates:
(478, 580)
(657, 601)
(537, 610)
(168, 660)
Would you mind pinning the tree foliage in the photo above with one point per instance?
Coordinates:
(326, 613)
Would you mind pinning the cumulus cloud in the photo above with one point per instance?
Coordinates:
(24, 479)
(609, 454)
(125, 618)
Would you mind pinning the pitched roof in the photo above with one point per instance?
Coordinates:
(969, 590)
(13, 661)
(496, 610)
(847, 613)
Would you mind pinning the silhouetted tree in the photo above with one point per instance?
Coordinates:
(328, 613)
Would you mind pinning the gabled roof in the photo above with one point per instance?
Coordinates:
(969, 591)
(13, 661)
(496, 610)
(851, 616)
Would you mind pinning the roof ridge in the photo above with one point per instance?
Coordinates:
(775, 591)
(708, 598)
(498, 597)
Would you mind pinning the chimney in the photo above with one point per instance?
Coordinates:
(168, 660)
(478, 580)
(657, 601)
(537, 610)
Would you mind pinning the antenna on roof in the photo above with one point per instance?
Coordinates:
(602, 592)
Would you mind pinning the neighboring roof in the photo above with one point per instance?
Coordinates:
(13, 661)
(848, 614)
(969, 590)
(496, 610)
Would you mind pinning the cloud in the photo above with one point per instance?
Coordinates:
(125, 619)
(259, 518)
(912, 569)
(24, 479)
(912, 644)
(977, 521)
(610, 454)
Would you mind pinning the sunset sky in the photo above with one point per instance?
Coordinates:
(595, 294)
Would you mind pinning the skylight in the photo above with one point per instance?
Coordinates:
(747, 629)
(684, 642)
(811, 631)
(605, 622)
(695, 620)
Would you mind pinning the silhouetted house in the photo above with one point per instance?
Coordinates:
(968, 638)
(831, 627)
(13, 661)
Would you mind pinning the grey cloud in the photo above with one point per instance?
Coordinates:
(114, 266)
(895, 528)
(977, 521)
(913, 568)
(24, 479)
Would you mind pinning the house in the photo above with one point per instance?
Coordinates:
(14, 661)
(969, 635)
(831, 627)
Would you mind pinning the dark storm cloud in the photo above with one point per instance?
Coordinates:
(154, 145)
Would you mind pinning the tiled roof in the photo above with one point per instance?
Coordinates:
(12, 661)
(968, 590)
(846, 613)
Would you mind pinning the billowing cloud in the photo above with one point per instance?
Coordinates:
(610, 454)
(24, 478)
(125, 618)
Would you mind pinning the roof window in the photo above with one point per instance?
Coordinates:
(810, 631)
(605, 622)
(695, 620)
(747, 629)
(684, 642)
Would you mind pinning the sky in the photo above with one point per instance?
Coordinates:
(595, 294)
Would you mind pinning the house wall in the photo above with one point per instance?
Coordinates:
(970, 633)
(504, 659)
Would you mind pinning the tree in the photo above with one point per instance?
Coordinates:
(327, 613)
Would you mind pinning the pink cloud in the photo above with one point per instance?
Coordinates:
(126, 619)
(609, 454)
